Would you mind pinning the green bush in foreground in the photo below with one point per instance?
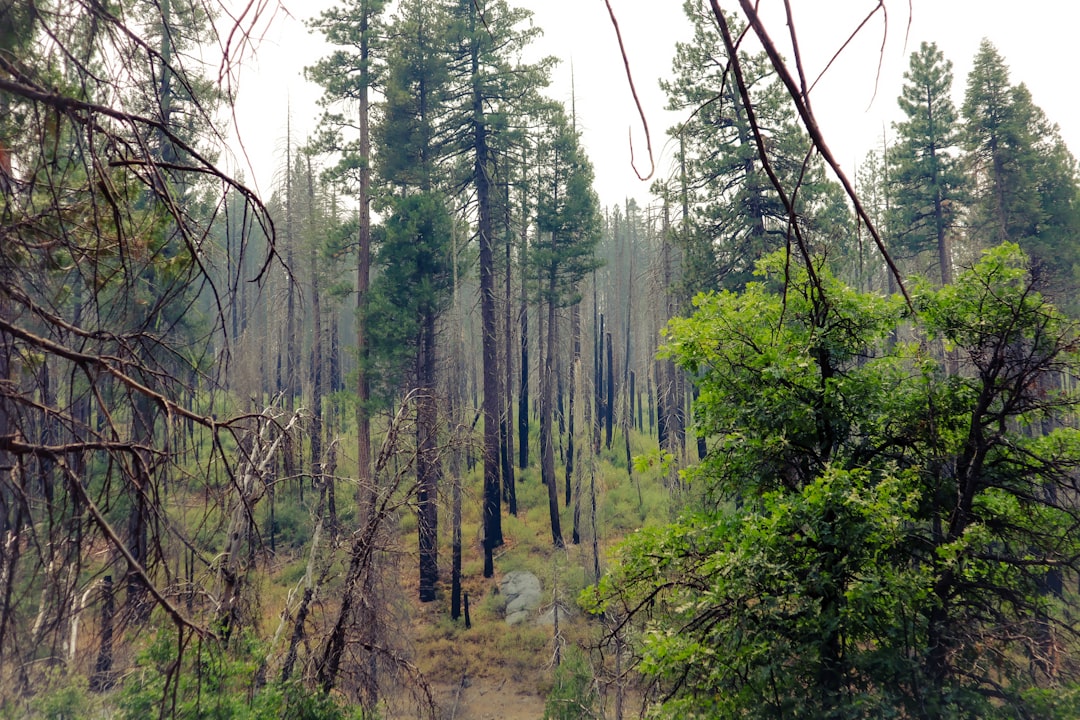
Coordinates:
(880, 530)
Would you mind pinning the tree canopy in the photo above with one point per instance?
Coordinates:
(873, 535)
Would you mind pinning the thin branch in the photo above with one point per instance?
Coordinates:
(816, 136)
(637, 101)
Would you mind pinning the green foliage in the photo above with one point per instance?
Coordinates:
(927, 180)
(414, 283)
(573, 695)
(65, 697)
(733, 216)
(567, 213)
(1027, 190)
(214, 684)
(356, 30)
(870, 536)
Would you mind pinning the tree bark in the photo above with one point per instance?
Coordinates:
(609, 395)
(102, 679)
(492, 402)
(575, 341)
(428, 470)
(506, 434)
(547, 445)
(366, 483)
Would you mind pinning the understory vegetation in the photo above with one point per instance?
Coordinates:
(774, 444)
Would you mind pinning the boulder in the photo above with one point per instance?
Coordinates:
(521, 589)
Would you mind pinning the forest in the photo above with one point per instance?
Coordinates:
(777, 443)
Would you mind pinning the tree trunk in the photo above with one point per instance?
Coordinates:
(506, 434)
(139, 513)
(523, 387)
(427, 467)
(523, 323)
(547, 445)
(609, 395)
(102, 679)
(366, 482)
(316, 442)
(492, 402)
(575, 342)
(455, 570)
(598, 371)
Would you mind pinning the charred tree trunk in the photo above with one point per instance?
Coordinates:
(609, 395)
(102, 679)
(492, 402)
(455, 569)
(318, 479)
(523, 388)
(575, 361)
(506, 434)
(547, 442)
(139, 514)
(523, 325)
(366, 482)
(598, 372)
(427, 468)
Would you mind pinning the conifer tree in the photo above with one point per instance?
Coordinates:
(926, 178)
(413, 286)
(493, 84)
(733, 214)
(349, 74)
(1026, 187)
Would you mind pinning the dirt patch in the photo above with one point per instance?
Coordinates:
(485, 699)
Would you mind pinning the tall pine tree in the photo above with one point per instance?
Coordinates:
(925, 174)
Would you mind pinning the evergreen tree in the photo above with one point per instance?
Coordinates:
(492, 85)
(926, 180)
(347, 75)
(413, 286)
(408, 296)
(999, 145)
(1026, 185)
(735, 216)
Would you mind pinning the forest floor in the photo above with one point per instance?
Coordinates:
(490, 699)
(496, 671)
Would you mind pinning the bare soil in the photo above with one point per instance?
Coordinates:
(487, 699)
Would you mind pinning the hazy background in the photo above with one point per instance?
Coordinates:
(1037, 40)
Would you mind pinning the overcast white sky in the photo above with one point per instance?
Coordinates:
(1037, 40)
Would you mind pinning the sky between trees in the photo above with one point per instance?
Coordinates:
(1036, 44)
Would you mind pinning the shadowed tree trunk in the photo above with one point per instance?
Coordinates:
(575, 362)
(506, 433)
(547, 441)
(492, 402)
(609, 394)
(428, 463)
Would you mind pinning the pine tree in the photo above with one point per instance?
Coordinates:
(347, 75)
(733, 214)
(1026, 188)
(493, 85)
(996, 141)
(414, 284)
(926, 179)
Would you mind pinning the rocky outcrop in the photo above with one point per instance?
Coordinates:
(521, 589)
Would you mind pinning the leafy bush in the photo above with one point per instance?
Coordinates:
(212, 684)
